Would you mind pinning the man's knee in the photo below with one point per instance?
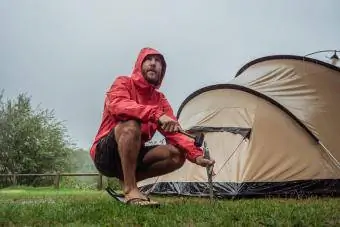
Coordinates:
(128, 130)
(176, 155)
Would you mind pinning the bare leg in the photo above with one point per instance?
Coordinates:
(128, 138)
(161, 160)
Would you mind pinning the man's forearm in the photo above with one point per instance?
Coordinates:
(185, 144)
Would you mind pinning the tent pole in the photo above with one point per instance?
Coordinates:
(329, 153)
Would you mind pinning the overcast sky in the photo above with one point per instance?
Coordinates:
(66, 53)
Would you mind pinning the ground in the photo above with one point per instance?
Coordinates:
(49, 207)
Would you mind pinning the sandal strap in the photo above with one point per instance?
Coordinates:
(114, 194)
(136, 199)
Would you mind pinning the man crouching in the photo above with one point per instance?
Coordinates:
(133, 110)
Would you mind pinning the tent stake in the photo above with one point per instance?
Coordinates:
(209, 171)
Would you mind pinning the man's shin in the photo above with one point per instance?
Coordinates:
(128, 139)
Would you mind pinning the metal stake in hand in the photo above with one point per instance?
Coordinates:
(209, 170)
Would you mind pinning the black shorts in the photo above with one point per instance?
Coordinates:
(107, 158)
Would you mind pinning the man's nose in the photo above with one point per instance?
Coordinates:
(153, 61)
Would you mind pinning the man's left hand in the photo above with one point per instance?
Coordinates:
(200, 160)
(204, 162)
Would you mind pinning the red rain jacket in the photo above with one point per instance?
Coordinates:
(132, 97)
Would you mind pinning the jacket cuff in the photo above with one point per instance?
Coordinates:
(192, 157)
(157, 115)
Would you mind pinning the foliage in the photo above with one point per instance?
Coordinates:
(83, 183)
(80, 161)
(31, 140)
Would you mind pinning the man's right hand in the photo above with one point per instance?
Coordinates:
(168, 124)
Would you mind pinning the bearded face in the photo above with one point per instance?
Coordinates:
(152, 69)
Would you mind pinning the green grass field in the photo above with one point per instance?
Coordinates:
(48, 207)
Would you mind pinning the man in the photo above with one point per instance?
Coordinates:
(133, 110)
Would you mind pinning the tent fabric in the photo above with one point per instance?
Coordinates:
(273, 130)
(310, 91)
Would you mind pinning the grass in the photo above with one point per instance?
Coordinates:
(65, 207)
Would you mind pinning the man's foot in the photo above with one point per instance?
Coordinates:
(135, 197)
(133, 194)
(142, 202)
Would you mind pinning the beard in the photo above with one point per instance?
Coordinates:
(152, 77)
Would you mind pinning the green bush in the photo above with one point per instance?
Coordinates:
(31, 140)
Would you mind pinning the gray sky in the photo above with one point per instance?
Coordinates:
(66, 53)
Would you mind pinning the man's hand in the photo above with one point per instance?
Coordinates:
(200, 160)
(168, 124)
(204, 162)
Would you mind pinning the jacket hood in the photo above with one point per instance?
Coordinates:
(137, 75)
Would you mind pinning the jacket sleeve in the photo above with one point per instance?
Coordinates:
(120, 103)
(178, 139)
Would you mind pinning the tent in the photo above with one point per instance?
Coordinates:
(274, 130)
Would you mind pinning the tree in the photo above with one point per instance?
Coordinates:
(31, 140)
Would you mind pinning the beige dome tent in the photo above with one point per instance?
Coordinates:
(273, 130)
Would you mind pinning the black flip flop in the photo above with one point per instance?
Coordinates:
(115, 195)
